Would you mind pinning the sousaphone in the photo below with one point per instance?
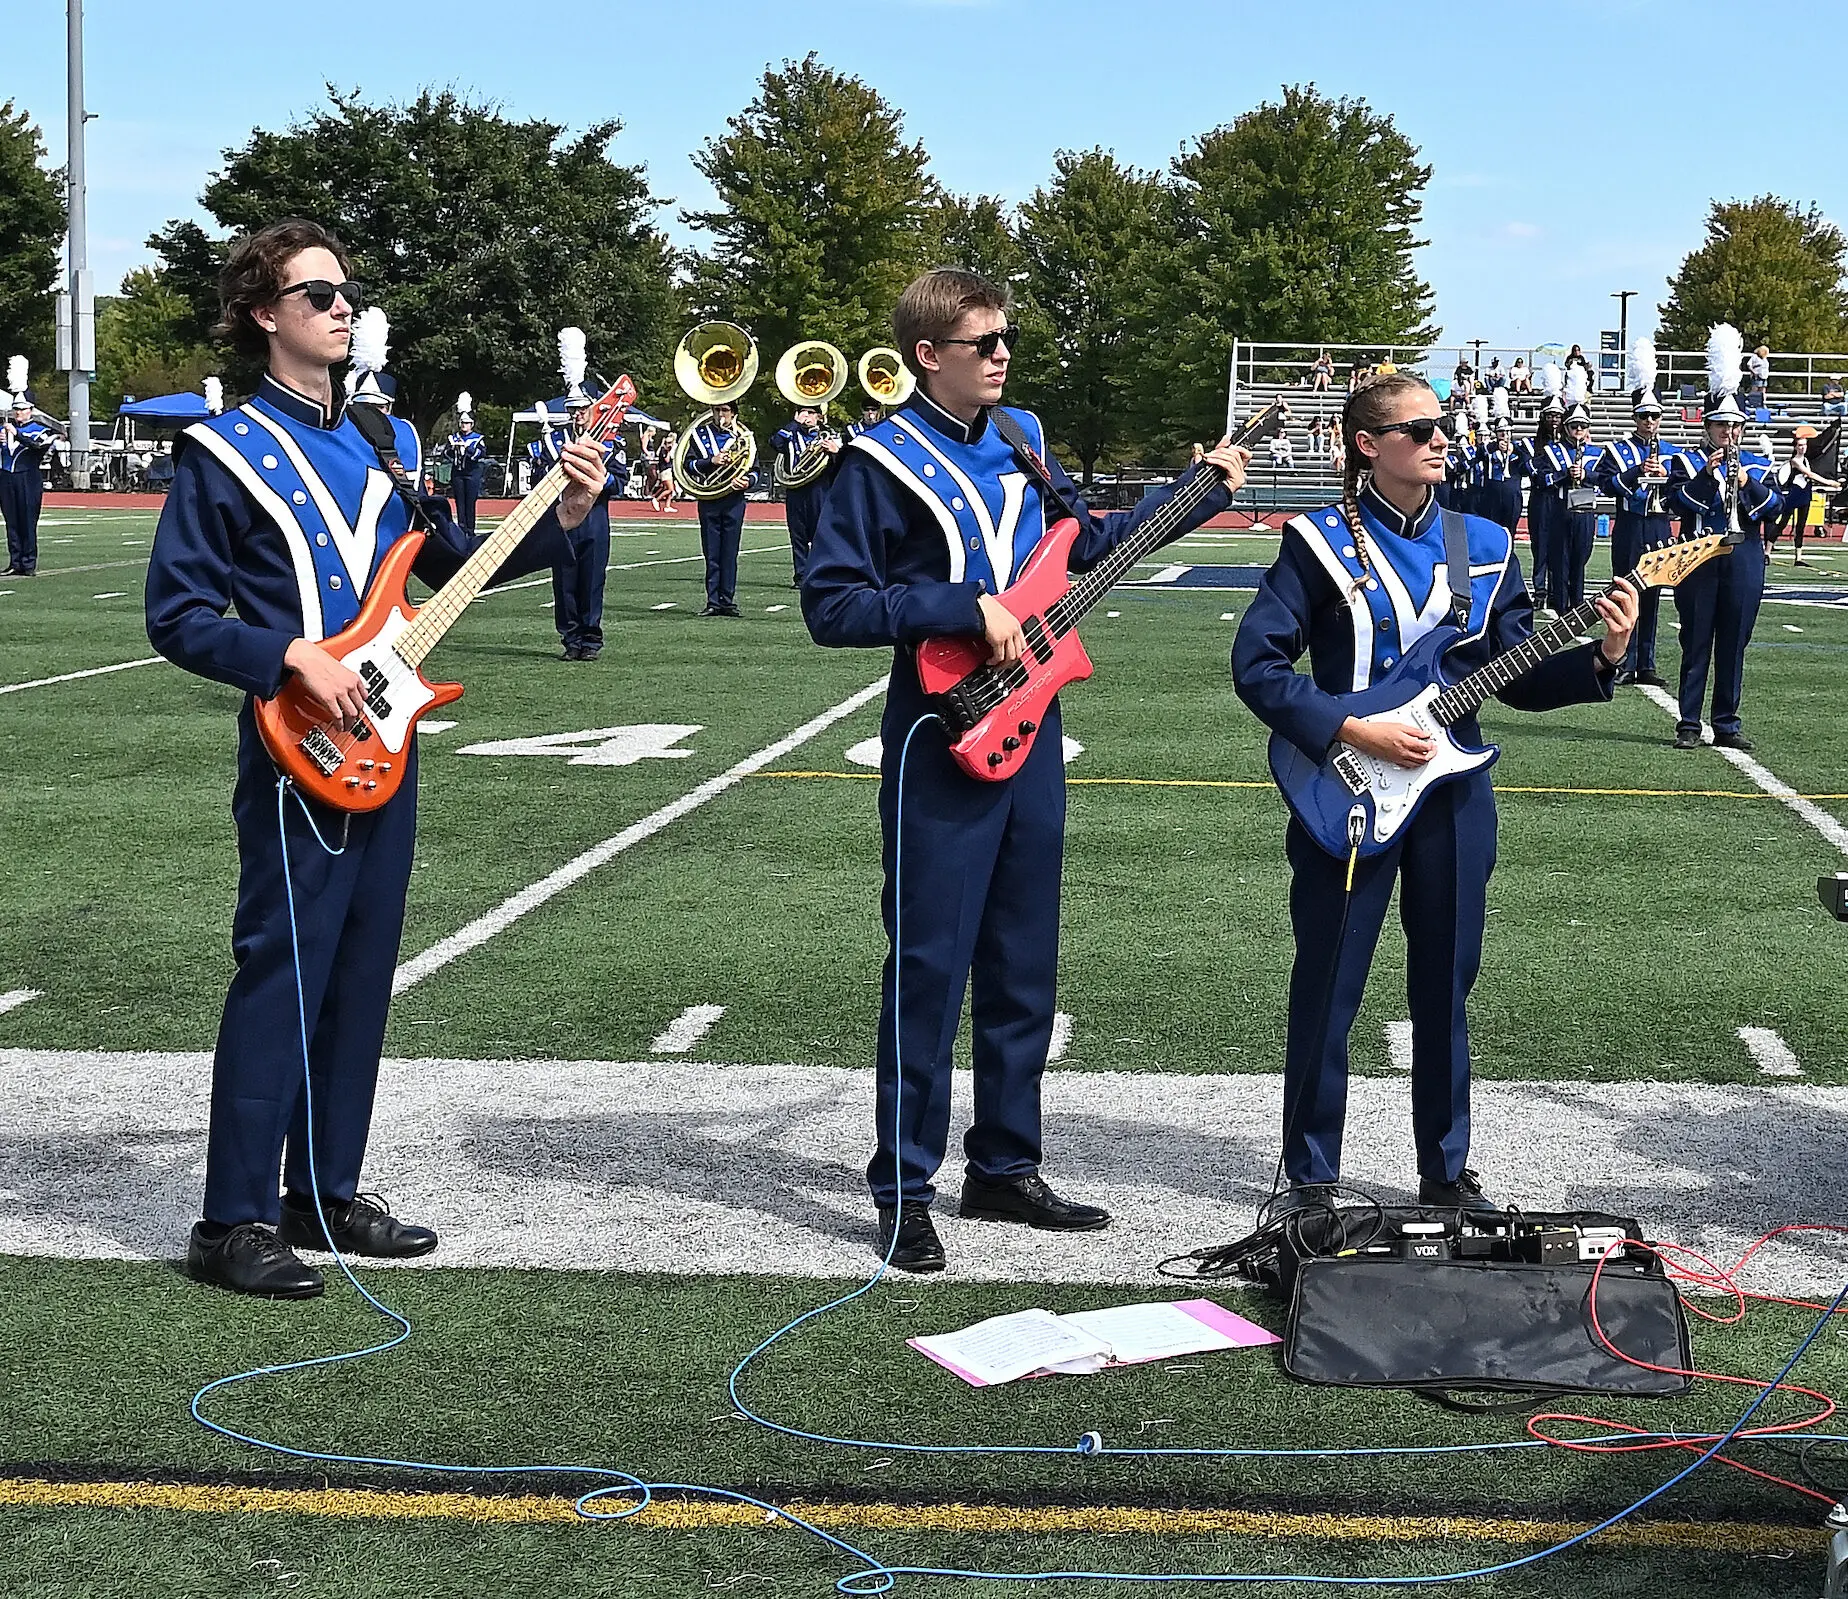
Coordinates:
(714, 364)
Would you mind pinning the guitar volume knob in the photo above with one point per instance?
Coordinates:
(1028, 727)
(994, 758)
(1010, 743)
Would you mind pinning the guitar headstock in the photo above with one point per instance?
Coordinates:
(605, 416)
(1665, 567)
(1257, 426)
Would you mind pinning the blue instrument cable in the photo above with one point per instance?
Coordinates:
(876, 1576)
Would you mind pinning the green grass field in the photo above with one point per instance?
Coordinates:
(1648, 905)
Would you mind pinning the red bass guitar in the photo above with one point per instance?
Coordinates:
(994, 712)
(359, 767)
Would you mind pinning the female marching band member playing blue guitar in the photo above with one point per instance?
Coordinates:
(1357, 585)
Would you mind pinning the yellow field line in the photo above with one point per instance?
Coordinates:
(1227, 782)
(693, 1515)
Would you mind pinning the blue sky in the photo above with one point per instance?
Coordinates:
(1576, 145)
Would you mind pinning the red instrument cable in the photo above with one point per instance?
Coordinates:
(1724, 1281)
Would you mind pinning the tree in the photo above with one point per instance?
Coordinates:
(31, 229)
(147, 343)
(1079, 237)
(973, 231)
(1769, 267)
(824, 213)
(1296, 222)
(481, 237)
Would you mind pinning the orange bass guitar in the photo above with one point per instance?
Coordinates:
(358, 767)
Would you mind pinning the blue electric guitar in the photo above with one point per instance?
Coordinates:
(1354, 800)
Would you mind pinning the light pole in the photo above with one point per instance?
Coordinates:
(81, 354)
(1623, 298)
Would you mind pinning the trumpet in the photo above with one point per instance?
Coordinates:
(1652, 500)
(1729, 493)
(885, 377)
(809, 374)
(714, 364)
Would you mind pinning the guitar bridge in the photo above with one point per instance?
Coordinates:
(322, 750)
(961, 706)
(1348, 768)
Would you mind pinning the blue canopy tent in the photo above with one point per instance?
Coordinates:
(166, 409)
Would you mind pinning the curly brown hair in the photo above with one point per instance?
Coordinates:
(252, 277)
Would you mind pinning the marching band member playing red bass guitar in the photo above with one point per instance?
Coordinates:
(931, 515)
(282, 509)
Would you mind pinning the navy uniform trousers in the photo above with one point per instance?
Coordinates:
(578, 582)
(1631, 536)
(1441, 866)
(721, 529)
(1500, 501)
(1545, 510)
(802, 507)
(466, 487)
(978, 895)
(22, 492)
(1574, 534)
(1718, 606)
(349, 915)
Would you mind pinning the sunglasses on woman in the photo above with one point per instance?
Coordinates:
(1420, 430)
(988, 343)
(320, 293)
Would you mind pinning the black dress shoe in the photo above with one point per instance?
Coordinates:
(1464, 1194)
(570, 653)
(1687, 741)
(1733, 741)
(918, 1248)
(1027, 1199)
(361, 1226)
(250, 1259)
(1299, 1196)
(589, 654)
(1623, 679)
(1652, 678)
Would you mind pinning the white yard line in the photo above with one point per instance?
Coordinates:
(13, 998)
(1769, 1053)
(510, 910)
(687, 1029)
(674, 1164)
(1399, 1045)
(1061, 1035)
(626, 566)
(71, 677)
(1769, 781)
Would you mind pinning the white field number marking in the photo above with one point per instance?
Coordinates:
(599, 746)
(687, 1029)
(13, 998)
(1770, 1054)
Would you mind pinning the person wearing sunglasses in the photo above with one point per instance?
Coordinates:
(281, 510)
(930, 516)
(1356, 584)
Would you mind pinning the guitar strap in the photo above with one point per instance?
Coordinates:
(1016, 440)
(1456, 558)
(373, 426)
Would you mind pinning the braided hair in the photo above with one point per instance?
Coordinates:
(1367, 408)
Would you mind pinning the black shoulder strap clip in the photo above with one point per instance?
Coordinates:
(1456, 558)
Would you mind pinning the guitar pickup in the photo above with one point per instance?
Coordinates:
(1034, 631)
(1348, 768)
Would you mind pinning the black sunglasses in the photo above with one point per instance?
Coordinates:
(320, 293)
(1420, 430)
(987, 344)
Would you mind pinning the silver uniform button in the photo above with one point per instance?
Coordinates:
(299, 497)
(898, 438)
(240, 427)
(929, 470)
(320, 538)
(333, 582)
(955, 504)
(269, 463)
(975, 544)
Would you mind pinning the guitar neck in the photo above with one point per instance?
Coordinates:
(1064, 613)
(1549, 639)
(443, 608)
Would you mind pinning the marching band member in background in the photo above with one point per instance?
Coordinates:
(872, 413)
(1634, 472)
(1499, 468)
(1369, 574)
(1726, 490)
(1795, 482)
(802, 504)
(721, 520)
(1546, 465)
(1576, 531)
(901, 556)
(24, 443)
(243, 528)
(468, 454)
(1454, 492)
(579, 575)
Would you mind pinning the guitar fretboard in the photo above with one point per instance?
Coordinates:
(1548, 640)
(443, 608)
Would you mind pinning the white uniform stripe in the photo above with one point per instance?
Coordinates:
(901, 473)
(279, 511)
(1358, 613)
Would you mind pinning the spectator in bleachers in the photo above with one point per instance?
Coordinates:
(1322, 373)
(1281, 454)
(1495, 378)
(1833, 401)
(1758, 377)
(1318, 439)
(1463, 381)
(1579, 359)
(1520, 379)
